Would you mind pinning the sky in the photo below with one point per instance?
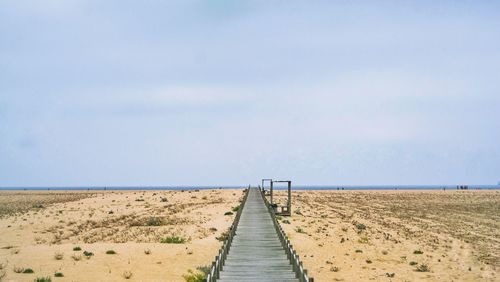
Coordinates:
(125, 93)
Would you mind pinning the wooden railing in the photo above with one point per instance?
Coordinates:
(292, 255)
(218, 264)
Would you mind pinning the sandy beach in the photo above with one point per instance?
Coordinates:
(339, 235)
(113, 235)
(396, 235)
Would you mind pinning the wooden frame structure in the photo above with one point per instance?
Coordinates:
(283, 210)
(264, 180)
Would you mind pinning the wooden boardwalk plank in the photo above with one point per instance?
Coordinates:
(256, 253)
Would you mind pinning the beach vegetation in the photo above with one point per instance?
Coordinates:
(127, 274)
(58, 274)
(235, 209)
(193, 276)
(110, 252)
(363, 240)
(228, 213)
(3, 265)
(77, 248)
(360, 226)
(204, 268)
(173, 240)
(423, 268)
(43, 279)
(359, 251)
(418, 252)
(412, 263)
(58, 256)
(28, 271)
(76, 257)
(368, 261)
(154, 221)
(299, 230)
(335, 269)
(223, 236)
(390, 275)
(18, 269)
(297, 211)
(88, 254)
(147, 251)
(286, 221)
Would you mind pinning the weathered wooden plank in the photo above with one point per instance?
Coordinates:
(256, 253)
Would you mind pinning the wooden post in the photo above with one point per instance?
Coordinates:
(217, 276)
(213, 275)
(263, 180)
(289, 203)
(271, 191)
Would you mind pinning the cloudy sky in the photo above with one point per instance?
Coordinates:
(229, 92)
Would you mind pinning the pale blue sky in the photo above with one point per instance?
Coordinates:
(229, 92)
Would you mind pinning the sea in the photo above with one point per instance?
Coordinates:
(278, 187)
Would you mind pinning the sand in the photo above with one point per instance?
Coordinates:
(39, 230)
(339, 235)
(390, 235)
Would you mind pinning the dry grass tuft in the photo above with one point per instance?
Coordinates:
(127, 274)
(58, 256)
(76, 257)
(173, 240)
(423, 268)
(335, 269)
(194, 276)
(20, 202)
(3, 265)
(18, 269)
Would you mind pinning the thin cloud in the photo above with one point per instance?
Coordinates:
(189, 93)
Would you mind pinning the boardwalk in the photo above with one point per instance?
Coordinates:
(256, 252)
